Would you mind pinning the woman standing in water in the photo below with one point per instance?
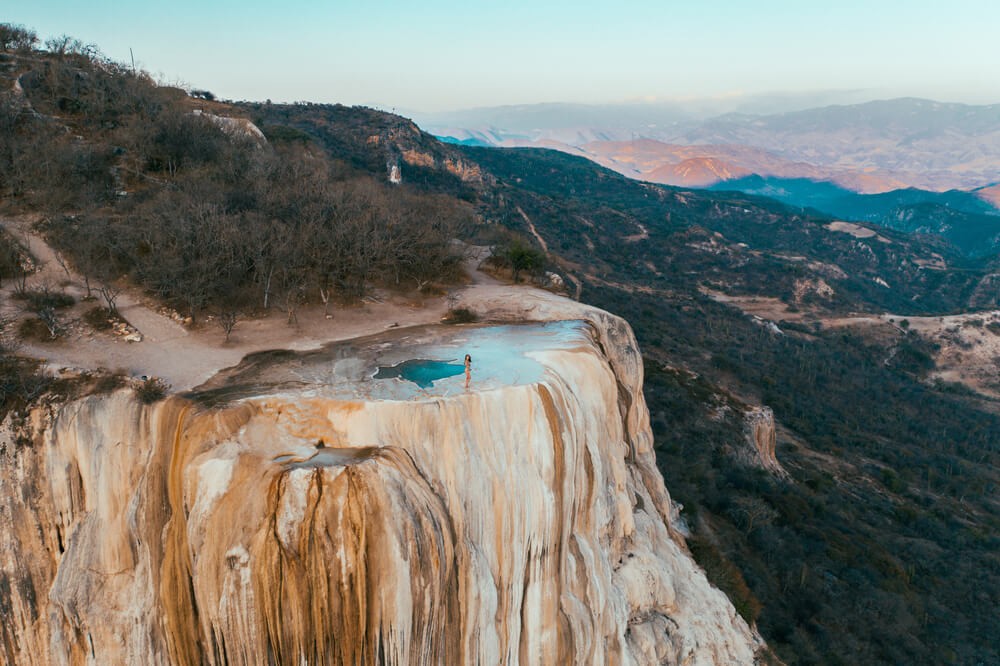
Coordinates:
(468, 370)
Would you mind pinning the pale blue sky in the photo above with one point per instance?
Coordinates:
(435, 55)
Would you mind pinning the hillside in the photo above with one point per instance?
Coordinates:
(858, 424)
(177, 194)
(851, 557)
(965, 219)
(870, 538)
(990, 194)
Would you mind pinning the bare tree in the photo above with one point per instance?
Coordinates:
(61, 260)
(110, 294)
(21, 274)
(324, 295)
(65, 45)
(227, 321)
(16, 37)
(51, 321)
(753, 512)
(293, 300)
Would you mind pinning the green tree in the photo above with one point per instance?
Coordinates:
(523, 257)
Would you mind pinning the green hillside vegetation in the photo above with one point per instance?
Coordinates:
(134, 185)
(740, 244)
(962, 218)
(881, 545)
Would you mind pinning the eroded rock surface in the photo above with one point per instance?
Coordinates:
(297, 510)
(761, 438)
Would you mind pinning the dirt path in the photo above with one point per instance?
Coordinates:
(185, 357)
(534, 231)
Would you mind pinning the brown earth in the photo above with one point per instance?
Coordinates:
(187, 355)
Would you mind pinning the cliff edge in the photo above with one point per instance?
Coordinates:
(327, 507)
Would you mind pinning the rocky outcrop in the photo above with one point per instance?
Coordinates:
(467, 172)
(239, 128)
(761, 438)
(297, 510)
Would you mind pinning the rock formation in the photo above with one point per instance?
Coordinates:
(239, 128)
(296, 510)
(758, 428)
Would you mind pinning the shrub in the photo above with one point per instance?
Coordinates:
(523, 257)
(152, 390)
(12, 256)
(892, 481)
(727, 577)
(20, 382)
(285, 134)
(460, 316)
(99, 319)
(108, 383)
(33, 328)
(43, 299)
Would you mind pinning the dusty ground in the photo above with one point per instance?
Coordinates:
(969, 348)
(857, 231)
(968, 344)
(187, 356)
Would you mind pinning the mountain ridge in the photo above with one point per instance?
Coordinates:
(908, 141)
(964, 218)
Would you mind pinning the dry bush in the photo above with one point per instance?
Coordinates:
(152, 390)
(36, 330)
(460, 316)
(99, 318)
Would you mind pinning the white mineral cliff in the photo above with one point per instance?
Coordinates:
(298, 510)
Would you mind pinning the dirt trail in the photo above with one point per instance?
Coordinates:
(185, 357)
(534, 231)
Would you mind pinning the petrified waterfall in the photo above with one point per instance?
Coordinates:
(296, 509)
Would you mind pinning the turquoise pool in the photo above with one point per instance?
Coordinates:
(422, 372)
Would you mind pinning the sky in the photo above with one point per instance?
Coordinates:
(434, 55)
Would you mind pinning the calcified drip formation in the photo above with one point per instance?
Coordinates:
(297, 510)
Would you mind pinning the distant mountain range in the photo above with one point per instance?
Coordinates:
(626, 120)
(871, 147)
(706, 165)
(909, 164)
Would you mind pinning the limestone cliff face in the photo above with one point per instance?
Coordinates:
(468, 172)
(240, 128)
(761, 438)
(298, 510)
